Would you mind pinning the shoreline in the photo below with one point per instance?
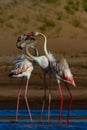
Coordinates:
(37, 104)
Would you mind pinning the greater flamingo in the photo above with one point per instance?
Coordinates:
(44, 64)
(23, 67)
(61, 72)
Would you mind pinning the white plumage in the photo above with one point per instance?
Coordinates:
(22, 67)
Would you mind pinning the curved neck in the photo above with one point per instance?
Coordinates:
(28, 53)
(45, 45)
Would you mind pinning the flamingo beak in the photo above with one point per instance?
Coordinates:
(72, 81)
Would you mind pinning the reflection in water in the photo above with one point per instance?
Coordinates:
(24, 124)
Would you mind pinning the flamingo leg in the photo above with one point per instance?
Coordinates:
(61, 102)
(49, 98)
(44, 98)
(70, 104)
(26, 100)
(18, 99)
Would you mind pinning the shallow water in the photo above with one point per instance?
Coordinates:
(37, 112)
(25, 124)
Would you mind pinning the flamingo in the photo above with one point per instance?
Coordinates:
(23, 67)
(43, 62)
(61, 71)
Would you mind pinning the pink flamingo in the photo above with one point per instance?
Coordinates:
(23, 67)
(43, 62)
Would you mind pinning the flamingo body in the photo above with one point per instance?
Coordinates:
(42, 61)
(61, 68)
(22, 67)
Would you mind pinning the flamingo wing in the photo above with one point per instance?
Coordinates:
(66, 72)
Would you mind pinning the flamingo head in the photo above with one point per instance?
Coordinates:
(33, 34)
(36, 33)
(22, 37)
(30, 34)
(22, 40)
(70, 80)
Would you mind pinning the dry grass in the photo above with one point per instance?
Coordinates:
(39, 15)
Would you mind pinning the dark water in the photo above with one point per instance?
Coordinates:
(25, 124)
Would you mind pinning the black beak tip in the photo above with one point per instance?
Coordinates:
(10, 75)
(20, 47)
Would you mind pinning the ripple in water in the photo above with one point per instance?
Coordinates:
(24, 124)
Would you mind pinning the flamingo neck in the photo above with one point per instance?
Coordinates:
(45, 46)
(28, 53)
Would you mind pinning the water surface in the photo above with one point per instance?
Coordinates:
(79, 123)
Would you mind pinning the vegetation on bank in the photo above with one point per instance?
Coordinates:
(44, 15)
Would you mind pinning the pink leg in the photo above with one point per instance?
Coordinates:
(61, 102)
(44, 98)
(49, 98)
(70, 104)
(18, 99)
(27, 100)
